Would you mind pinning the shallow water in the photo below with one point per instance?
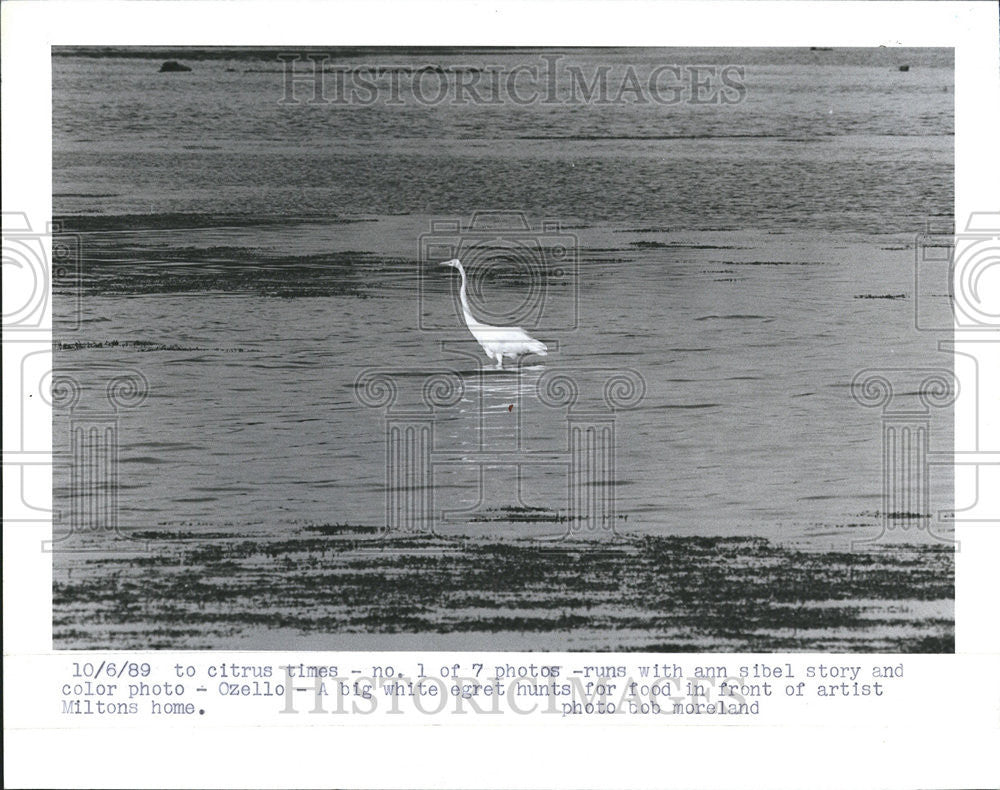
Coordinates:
(746, 421)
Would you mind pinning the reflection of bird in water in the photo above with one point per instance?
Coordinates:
(497, 341)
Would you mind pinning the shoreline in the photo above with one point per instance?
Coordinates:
(344, 588)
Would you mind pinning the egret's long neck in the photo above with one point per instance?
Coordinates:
(469, 320)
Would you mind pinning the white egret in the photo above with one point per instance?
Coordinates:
(497, 341)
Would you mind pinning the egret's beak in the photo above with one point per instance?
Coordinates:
(451, 263)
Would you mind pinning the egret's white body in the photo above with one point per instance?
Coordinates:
(497, 341)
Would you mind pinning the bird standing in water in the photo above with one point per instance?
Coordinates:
(497, 341)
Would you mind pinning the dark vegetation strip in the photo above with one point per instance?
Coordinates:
(194, 589)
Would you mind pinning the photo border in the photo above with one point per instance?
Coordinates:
(945, 722)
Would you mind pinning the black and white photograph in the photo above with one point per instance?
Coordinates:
(446, 394)
(502, 349)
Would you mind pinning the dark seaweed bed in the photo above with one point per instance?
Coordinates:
(344, 586)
